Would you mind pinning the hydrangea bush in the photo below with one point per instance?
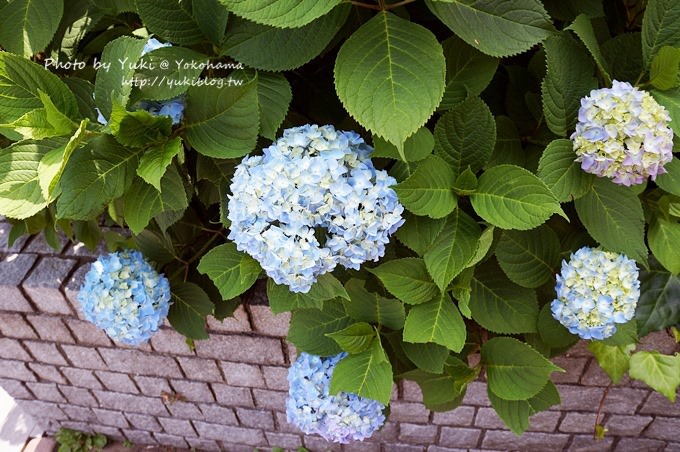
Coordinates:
(401, 176)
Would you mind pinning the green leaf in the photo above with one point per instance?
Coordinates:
(82, 90)
(529, 258)
(670, 181)
(274, 96)
(561, 173)
(465, 136)
(613, 359)
(483, 246)
(211, 17)
(657, 307)
(274, 49)
(172, 20)
(326, 287)
(222, 122)
(515, 413)
(308, 328)
(517, 25)
(367, 374)
(671, 100)
(370, 307)
(167, 72)
(429, 356)
(232, 271)
(189, 308)
(355, 338)
(428, 191)
(453, 248)
(139, 128)
(436, 321)
(612, 215)
(552, 332)
(416, 147)
(281, 13)
(626, 333)
(511, 197)
(660, 372)
(468, 72)
(501, 306)
(52, 165)
(27, 26)
(660, 27)
(623, 53)
(663, 237)
(407, 279)
(583, 28)
(569, 77)
(664, 71)
(121, 55)
(418, 233)
(94, 176)
(155, 161)
(390, 76)
(439, 390)
(515, 371)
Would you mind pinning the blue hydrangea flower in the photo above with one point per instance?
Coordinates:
(595, 291)
(341, 418)
(312, 201)
(123, 295)
(153, 44)
(623, 134)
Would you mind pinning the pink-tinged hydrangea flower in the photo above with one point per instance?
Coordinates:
(312, 201)
(623, 134)
(340, 418)
(596, 290)
(123, 295)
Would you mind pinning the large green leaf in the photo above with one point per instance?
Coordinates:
(515, 413)
(429, 190)
(138, 128)
(663, 238)
(466, 136)
(27, 26)
(418, 233)
(355, 338)
(390, 76)
(623, 54)
(280, 13)
(663, 74)
(308, 328)
(211, 17)
(516, 26)
(453, 248)
(189, 308)
(274, 49)
(515, 371)
(274, 96)
(367, 374)
(326, 287)
(429, 356)
(583, 28)
(155, 161)
(529, 258)
(569, 77)
(561, 173)
(222, 122)
(501, 306)
(511, 197)
(553, 333)
(416, 147)
(660, 372)
(54, 162)
(232, 271)
(670, 181)
(370, 307)
(613, 359)
(167, 72)
(671, 100)
(437, 321)
(612, 214)
(171, 19)
(658, 307)
(660, 27)
(407, 279)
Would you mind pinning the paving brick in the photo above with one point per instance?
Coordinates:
(79, 413)
(16, 370)
(167, 340)
(111, 418)
(200, 369)
(15, 388)
(14, 325)
(5, 227)
(619, 400)
(404, 448)
(316, 443)
(75, 425)
(658, 404)
(283, 440)
(14, 269)
(111, 432)
(212, 411)
(578, 423)
(233, 447)
(240, 374)
(43, 284)
(130, 404)
(665, 428)
(254, 350)
(273, 400)
(78, 396)
(238, 323)
(139, 437)
(12, 349)
(144, 422)
(573, 369)
(117, 382)
(476, 394)
(45, 352)
(84, 357)
(184, 410)
(50, 328)
(459, 437)
(73, 285)
(153, 386)
(133, 361)
(268, 323)
(46, 392)
(415, 433)
(620, 425)
(81, 377)
(593, 376)
(38, 245)
(47, 372)
(411, 391)
(503, 440)
(239, 435)
(193, 391)
(586, 443)
(171, 440)
(255, 418)
(487, 418)
(87, 333)
(444, 449)
(230, 396)
(639, 445)
(545, 421)
(624, 400)
(178, 427)
(203, 444)
(276, 377)
(409, 412)
(43, 410)
(388, 432)
(286, 427)
(361, 447)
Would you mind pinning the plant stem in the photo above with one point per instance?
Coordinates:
(599, 408)
(365, 5)
(398, 4)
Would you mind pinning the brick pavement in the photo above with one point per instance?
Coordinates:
(229, 393)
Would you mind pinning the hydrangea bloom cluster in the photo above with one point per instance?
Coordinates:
(341, 418)
(125, 296)
(312, 201)
(595, 291)
(623, 134)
